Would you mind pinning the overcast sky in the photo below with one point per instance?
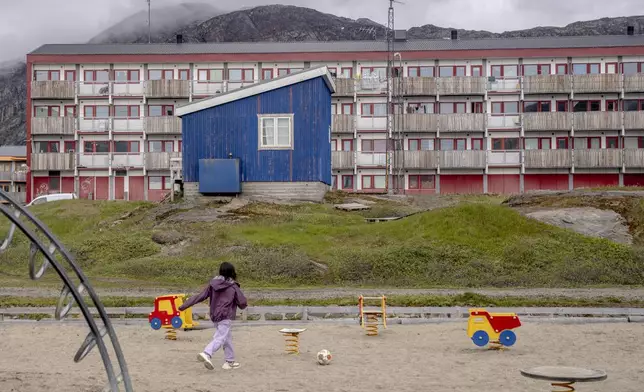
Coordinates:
(26, 24)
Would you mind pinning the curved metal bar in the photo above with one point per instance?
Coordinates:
(70, 288)
(9, 238)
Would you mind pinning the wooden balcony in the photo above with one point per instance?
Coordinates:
(418, 159)
(547, 84)
(56, 89)
(167, 88)
(461, 122)
(634, 120)
(597, 121)
(418, 122)
(19, 176)
(598, 158)
(53, 125)
(162, 125)
(159, 160)
(342, 160)
(547, 121)
(597, 83)
(462, 85)
(634, 83)
(343, 123)
(462, 159)
(547, 159)
(634, 158)
(419, 86)
(344, 87)
(53, 161)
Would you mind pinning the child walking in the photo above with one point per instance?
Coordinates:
(225, 297)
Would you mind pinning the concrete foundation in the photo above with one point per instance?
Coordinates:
(296, 191)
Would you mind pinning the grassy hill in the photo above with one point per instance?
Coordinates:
(476, 243)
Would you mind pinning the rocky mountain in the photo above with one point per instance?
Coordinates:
(203, 23)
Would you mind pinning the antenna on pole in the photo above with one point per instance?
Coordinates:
(149, 22)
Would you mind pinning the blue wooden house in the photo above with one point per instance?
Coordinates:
(271, 138)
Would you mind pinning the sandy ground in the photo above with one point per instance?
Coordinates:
(440, 357)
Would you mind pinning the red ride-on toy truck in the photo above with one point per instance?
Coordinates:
(166, 313)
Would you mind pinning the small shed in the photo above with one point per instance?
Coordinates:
(270, 139)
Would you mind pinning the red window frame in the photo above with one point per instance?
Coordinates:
(130, 149)
(163, 183)
(540, 68)
(588, 104)
(184, 71)
(539, 142)
(373, 181)
(418, 68)
(267, 70)
(640, 66)
(477, 67)
(420, 144)
(611, 63)
(477, 107)
(163, 110)
(615, 104)
(93, 107)
(93, 143)
(475, 141)
(93, 73)
(243, 74)
(371, 109)
(342, 141)
(539, 106)
(49, 73)
(454, 107)
(589, 140)
(288, 70)
(559, 66)
(350, 69)
(565, 139)
(503, 112)
(333, 71)
(75, 112)
(588, 68)
(209, 76)
(640, 104)
(417, 105)
(49, 145)
(371, 69)
(129, 111)
(49, 109)
(164, 74)
(164, 144)
(344, 106)
(419, 181)
(70, 146)
(130, 79)
(502, 67)
(350, 176)
(454, 142)
(455, 70)
(566, 105)
(503, 142)
(373, 145)
(73, 75)
(180, 146)
(615, 139)
(334, 144)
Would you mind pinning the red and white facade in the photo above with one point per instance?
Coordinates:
(473, 121)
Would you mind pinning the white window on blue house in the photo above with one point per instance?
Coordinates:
(275, 131)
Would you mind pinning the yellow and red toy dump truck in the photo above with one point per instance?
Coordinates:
(484, 327)
(166, 313)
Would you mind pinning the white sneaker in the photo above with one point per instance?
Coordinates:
(205, 358)
(230, 365)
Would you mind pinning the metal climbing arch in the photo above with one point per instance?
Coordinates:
(46, 251)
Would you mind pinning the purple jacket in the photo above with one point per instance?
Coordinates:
(225, 296)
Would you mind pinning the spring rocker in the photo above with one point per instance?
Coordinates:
(372, 316)
(292, 339)
(493, 328)
(166, 315)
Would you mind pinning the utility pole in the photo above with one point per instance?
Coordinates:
(149, 23)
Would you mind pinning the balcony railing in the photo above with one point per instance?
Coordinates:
(597, 121)
(342, 160)
(53, 125)
(504, 158)
(344, 87)
(598, 158)
(547, 84)
(501, 122)
(6, 175)
(504, 85)
(547, 159)
(461, 122)
(547, 121)
(634, 158)
(419, 86)
(419, 159)
(99, 161)
(127, 124)
(371, 84)
(461, 85)
(466, 159)
(53, 161)
(634, 83)
(133, 160)
(376, 159)
(418, 122)
(94, 124)
(19, 177)
(597, 83)
(58, 89)
(343, 123)
(133, 89)
(162, 125)
(167, 88)
(159, 160)
(94, 89)
(634, 120)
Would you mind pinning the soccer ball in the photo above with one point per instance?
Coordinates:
(324, 357)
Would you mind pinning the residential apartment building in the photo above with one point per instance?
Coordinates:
(13, 171)
(474, 116)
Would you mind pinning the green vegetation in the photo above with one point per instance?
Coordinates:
(475, 243)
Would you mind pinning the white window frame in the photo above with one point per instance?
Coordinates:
(275, 117)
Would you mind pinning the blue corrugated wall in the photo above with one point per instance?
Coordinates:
(230, 130)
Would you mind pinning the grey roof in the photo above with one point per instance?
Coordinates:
(344, 46)
(13, 151)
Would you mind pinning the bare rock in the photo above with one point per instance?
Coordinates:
(169, 237)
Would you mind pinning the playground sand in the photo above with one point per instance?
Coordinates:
(436, 357)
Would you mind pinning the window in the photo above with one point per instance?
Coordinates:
(127, 76)
(477, 70)
(54, 184)
(241, 75)
(347, 182)
(634, 142)
(347, 108)
(562, 106)
(124, 147)
(421, 107)
(612, 142)
(373, 72)
(536, 69)
(97, 76)
(44, 147)
(70, 146)
(477, 144)
(70, 76)
(276, 132)
(611, 68)
(70, 111)
(374, 145)
(46, 111)
(180, 146)
(210, 75)
(511, 143)
(287, 71)
(584, 69)
(132, 111)
(421, 182)
(536, 107)
(477, 107)
(347, 145)
(374, 110)
(346, 73)
(413, 72)
(632, 105)
(96, 147)
(160, 110)
(159, 183)
(611, 105)
(537, 143)
(583, 143)
(333, 71)
(421, 144)
(184, 74)
(561, 69)
(160, 74)
(505, 71)
(334, 183)
(334, 145)
(452, 144)
(267, 74)
(500, 108)
(46, 75)
(452, 107)
(562, 143)
(586, 106)
(96, 111)
(448, 71)
(632, 68)
(373, 182)
(160, 146)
